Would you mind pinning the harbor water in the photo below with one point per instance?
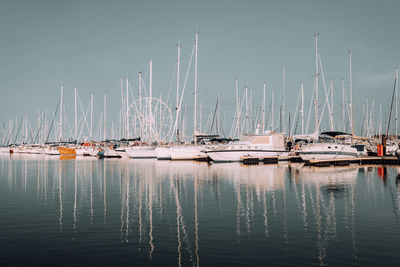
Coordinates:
(118, 212)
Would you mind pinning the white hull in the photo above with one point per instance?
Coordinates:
(36, 150)
(163, 153)
(327, 151)
(236, 156)
(4, 150)
(52, 152)
(262, 146)
(122, 153)
(187, 153)
(141, 152)
(110, 153)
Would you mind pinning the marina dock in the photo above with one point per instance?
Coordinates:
(269, 160)
(387, 160)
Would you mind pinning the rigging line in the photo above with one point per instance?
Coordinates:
(171, 82)
(326, 93)
(183, 92)
(391, 107)
(323, 110)
(19, 127)
(84, 120)
(295, 115)
(85, 115)
(215, 112)
(309, 110)
(40, 127)
(269, 111)
(52, 122)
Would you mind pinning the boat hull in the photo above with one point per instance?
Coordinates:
(66, 151)
(187, 153)
(238, 155)
(326, 151)
(141, 152)
(163, 153)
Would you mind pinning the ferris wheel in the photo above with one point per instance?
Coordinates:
(151, 124)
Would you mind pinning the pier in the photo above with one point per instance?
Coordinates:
(387, 160)
(269, 160)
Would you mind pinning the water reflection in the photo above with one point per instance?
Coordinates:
(162, 208)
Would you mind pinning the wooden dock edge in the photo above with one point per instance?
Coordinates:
(360, 161)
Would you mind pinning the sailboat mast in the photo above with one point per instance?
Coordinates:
(150, 99)
(351, 93)
(283, 100)
(397, 98)
(122, 130)
(316, 83)
(263, 115)
(127, 108)
(178, 63)
(140, 105)
(105, 117)
(76, 116)
(237, 108)
(272, 110)
(91, 116)
(195, 89)
(302, 108)
(61, 112)
(343, 108)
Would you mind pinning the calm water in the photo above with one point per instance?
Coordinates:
(148, 212)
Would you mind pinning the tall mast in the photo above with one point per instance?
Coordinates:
(283, 99)
(195, 89)
(140, 105)
(237, 108)
(302, 108)
(343, 108)
(76, 116)
(331, 115)
(316, 84)
(247, 110)
(150, 99)
(272, 110)
(397, 96)
(263, 110)
(351, 94)
(178, 62)
(91, 116)
(122, 108)
(61, 112)
(105, 117)
(127, 108)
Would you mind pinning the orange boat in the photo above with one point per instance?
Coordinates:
(66, 151)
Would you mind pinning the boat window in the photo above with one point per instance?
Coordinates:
(335, 146)
(329, 147)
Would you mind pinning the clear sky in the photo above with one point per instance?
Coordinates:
(90, 44)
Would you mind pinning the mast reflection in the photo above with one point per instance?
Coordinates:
(158, 207)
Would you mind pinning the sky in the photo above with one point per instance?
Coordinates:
(91, 44)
